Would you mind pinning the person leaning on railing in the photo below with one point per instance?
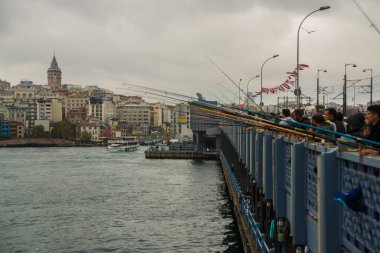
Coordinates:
(373, 122)
(332, 115)
(299, 116)
(318, 120)
(285, 117)
(356, 125)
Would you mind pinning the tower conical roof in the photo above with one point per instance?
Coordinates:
(54, 64)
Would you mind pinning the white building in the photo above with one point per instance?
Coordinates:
(89, 127)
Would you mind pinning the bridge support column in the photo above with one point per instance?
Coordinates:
(328, 210)
(259, 160)
(298, 196)
(239, 140)
(234, 135)
(252, 169)
(279, 203)
(267, 181)
(248, 160)
(259, 177)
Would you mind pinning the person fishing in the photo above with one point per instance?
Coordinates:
(318, 120)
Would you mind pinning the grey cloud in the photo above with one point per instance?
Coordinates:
(162, 43)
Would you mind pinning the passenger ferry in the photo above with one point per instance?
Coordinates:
(123, 144)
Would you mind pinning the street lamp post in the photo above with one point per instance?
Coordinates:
(261, 80)
(371, 86)
(248, 84)
(345, 87)
(298, 93)
(318, 87)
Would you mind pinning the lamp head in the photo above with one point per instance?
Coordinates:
(324, 70)
(257, 76)
(354, 66)
(324, 8)
(274, 56)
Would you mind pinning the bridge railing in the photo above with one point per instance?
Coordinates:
(252, 224)
(298, 179)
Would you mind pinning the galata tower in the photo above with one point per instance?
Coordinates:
(54, 75)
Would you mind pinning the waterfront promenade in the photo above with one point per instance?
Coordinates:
(36, 142)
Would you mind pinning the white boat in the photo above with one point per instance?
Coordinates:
(123, 145)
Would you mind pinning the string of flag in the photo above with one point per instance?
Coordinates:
(287, 85)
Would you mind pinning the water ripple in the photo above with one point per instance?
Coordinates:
(88, 200)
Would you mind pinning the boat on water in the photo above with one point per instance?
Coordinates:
(123, 144)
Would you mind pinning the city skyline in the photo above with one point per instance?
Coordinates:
(163, 45)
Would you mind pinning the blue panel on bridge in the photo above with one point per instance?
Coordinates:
(311, 234)
(361, 230)
(311, 181)
(288, 161)
(267, 167)
(253, 153)
(259, 159)
(318, 220)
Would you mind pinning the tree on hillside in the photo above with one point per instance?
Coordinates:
(38, 132)
(64, 130)
(86, 137)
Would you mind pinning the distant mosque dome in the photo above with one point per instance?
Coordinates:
(54, 75)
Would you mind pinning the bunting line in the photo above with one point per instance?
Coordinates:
(287, 85)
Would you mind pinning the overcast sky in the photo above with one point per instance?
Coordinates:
(162, 44)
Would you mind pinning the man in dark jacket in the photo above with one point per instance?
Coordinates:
(318, 121)
(331, 115)
(298, 115)
(373, 120)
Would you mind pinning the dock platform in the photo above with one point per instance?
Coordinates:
(182, 154)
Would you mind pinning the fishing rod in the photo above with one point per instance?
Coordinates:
(218, 99)
(161, 91)
(255, 122)
(272, 126)
(150, 97)
(233, 82)
(165, 96)
(357, 139)
(367, 17)
(224, 96)
(227, 89)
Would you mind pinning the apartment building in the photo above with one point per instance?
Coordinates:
(75, 101)
(89, 127)
(137, 116)
(49, 109)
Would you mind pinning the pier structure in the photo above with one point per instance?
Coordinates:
(296, 191)
(181, 154)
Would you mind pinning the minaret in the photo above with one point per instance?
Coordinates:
(54, 75)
